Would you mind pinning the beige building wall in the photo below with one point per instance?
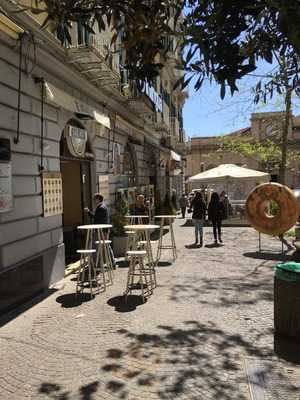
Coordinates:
(205, 152)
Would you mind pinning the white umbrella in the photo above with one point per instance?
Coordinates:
(229, 172)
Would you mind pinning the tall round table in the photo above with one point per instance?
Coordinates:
(97, 230)
(168, 219)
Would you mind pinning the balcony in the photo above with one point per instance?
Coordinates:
(183, 147)
(94, 60)
(138, 100)
(174, 123)
(171, 141)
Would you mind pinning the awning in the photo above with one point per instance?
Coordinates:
(230, 172)
(174, 156)
(102, 119)
(68, 102)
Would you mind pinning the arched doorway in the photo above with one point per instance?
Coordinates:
(75, 160)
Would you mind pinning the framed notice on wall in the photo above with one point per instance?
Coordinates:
(103, 183)
(6, 197)
(52, 193)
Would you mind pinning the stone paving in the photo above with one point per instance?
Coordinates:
(209, 321)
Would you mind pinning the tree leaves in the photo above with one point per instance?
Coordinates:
(224, 40)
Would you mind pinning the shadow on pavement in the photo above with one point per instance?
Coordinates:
(222, 292)
(174, 362)
(122, 263)
(71, 300)
(191, 347)
(9, 315)
(268, 256)
(214, 245)
(55, 391)
(121, 305)
(192, 246)
(164, 264)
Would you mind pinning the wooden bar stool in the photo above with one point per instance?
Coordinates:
(131, 242)
(107, 262)
(87, 266)
(144, 245)
(168, 219)
(138, 274)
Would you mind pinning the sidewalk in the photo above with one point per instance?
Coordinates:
(205, 331)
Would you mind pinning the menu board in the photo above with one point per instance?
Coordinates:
(52, 193)
(6, 197)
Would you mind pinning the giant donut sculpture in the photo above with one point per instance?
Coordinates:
(257, 206)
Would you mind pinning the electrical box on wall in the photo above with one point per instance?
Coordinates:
(5, 152)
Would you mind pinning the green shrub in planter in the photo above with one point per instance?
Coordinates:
(119, 238)
(118, 219)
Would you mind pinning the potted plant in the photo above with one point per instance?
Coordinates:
(119, 238)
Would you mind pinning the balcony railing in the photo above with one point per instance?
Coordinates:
(95, 60)
(138, 100)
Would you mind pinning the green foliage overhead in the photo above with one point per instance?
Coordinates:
(267, 152)
(224, 40)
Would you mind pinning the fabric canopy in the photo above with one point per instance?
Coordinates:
(230, 172)
(68, 102)
(174, 156)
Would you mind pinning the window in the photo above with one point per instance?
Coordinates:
(269, 130)
(83, 34)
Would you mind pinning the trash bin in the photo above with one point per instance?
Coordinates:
(287, 300)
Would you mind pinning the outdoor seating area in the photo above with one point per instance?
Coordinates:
(142, 254)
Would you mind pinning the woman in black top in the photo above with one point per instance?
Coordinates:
(198, 216)
(216, 212)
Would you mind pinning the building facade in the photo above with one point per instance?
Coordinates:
(72, 124)
(206, 152)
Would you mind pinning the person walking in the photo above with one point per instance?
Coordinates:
(216, 212)
(183, 203)
(198, 217)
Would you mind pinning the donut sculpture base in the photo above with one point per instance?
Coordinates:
(257, 206)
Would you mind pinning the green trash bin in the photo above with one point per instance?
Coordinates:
(287, 300)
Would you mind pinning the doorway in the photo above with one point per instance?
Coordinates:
(76, 183)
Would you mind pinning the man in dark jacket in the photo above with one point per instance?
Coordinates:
(101, 216)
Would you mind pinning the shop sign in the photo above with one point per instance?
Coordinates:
(52, 193)
(76, 140)
(153, 96)
(6, 197)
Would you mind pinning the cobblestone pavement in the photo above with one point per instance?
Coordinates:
(209, 321)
